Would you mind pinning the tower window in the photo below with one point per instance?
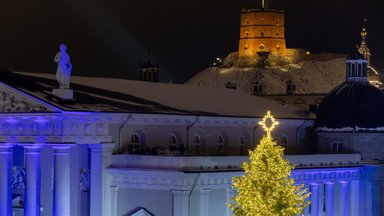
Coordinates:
(246, 46)
(246, 22)
(262, 47)
(277, 34)
(261, 34)
(277, 22)
(246, 33)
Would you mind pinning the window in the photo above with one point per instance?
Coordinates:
(134, 146)
(220, 144)
(277, 35)
(359, 70)
(246, 46)
(246, 22)
(197, 144)
(172, 143)
(277, 22)
(246, 33)
(262, 47)
(261, 34)
(242, 145)
(337, 147)
(284, 141)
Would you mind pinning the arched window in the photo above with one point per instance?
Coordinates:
(277, 22)
(246, 22)
(262, 47)
(246, 46)
(261, 34)
(277, 34)
(197, 144)
(284, 141)
(220, 144)
(246, 33)
(134, 146)
(242, 145)
(172, 143)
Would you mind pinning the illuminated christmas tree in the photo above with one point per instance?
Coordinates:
(266, 188)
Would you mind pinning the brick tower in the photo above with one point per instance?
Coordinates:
(261, 30)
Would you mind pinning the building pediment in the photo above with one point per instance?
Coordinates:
(15, 101)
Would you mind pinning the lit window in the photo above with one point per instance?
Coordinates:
(246, 46)
(134, 146)
(246, 33)
(261, 46)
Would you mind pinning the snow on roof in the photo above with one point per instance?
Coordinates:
(120, 95)
(310, 76)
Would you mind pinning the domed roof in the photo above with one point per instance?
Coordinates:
(358, 106)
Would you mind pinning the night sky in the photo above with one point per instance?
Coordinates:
(109, 38)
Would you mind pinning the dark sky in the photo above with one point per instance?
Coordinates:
(110, 37)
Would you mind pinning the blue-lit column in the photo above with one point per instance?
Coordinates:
(231, 192)
(61, 192)
(32, 179)
(5, 179)
(343, 198)
(329, 191)
(114, 194)
(314, 199)
(306, 209)
(180, 202)
(355, 195)
(100, 158)
(204, 201)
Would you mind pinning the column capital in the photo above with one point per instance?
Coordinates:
(329, 183)
(314, 184)
(32, 148)
(61, 148)
(180, 192)
(344, 182)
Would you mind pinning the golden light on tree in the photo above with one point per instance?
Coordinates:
(266, 188)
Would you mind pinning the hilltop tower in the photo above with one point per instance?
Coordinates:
(262, 30)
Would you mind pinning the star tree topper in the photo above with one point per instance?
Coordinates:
(268, 124)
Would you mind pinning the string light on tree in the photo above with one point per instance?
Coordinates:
(266, 188)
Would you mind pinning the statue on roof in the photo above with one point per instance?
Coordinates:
(64, 67)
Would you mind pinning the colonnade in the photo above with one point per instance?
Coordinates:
(333, 198)
(61, 187)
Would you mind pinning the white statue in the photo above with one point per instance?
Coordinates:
(64, 67)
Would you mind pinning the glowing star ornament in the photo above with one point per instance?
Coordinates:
(269, 124)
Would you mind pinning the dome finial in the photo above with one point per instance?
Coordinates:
(363, 49)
